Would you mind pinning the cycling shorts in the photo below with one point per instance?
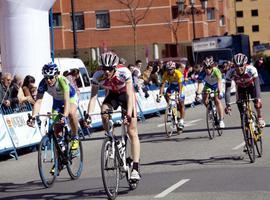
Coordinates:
(175, 88)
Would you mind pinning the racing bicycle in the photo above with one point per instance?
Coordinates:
(54, 155)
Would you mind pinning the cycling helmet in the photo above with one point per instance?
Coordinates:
(170, 65)
(109, 59)
(208, 62)
(50, 69)
(240, 59)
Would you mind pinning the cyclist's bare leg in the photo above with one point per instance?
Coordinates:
(205, 99)
(219, 107)
(105, 117)
(181, 108)
(134, 139)
(73, 118)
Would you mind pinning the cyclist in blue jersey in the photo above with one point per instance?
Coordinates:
(64, 100)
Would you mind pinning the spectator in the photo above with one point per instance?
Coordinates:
(74, 79)
(5, 90)
(29, 88)
(196, 71)
(136, 73)
(17, 96)
(146, 79)
(156, 74)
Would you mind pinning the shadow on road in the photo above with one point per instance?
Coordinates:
(33, 190)
(214, 160)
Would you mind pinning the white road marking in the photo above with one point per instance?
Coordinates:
(239, 146)
(187, 123)
(172, 188)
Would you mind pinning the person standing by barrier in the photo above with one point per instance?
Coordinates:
(29, 88)
(5, 90)
(118, 83)
(175, 79)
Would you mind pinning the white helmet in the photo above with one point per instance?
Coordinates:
(240, 59)
(109, 59)
(208, 62)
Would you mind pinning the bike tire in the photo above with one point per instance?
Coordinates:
(109, 164)
(249, 141)
(210, 122)
(217, 119)
(259, 141)
(129, 161)
(47, 160)
(75, 161)
(169, 122)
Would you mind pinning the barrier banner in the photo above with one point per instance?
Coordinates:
(5, 140)
(147, 105)
(21, 134)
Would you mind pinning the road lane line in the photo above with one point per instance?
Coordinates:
(172, 188)
(187, 123)
(239, 146)
(160, 125)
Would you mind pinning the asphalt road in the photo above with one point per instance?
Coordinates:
(184, 167)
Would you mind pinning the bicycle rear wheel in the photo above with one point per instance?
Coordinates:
(110, 169)
(258, 132)
(249, 141)
(169, 119)
(47, 161)
(210, 122)
(75, 161)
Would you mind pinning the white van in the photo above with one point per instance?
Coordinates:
(67, 64)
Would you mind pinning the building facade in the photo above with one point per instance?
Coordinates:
(106, 24)
(252, 17)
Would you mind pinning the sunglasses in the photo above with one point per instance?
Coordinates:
(107, 69)
(49, 77)
(239, 66)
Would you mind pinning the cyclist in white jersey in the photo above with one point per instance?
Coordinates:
(120, 92)
(246, 79)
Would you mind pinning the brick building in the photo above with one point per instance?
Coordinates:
(103, 25)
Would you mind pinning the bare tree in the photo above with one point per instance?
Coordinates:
(134, 15)
(173, 25)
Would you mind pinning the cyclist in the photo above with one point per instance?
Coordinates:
(64, 100)
(175, 79)
(212, 78)
(120, 92)
(247, 80)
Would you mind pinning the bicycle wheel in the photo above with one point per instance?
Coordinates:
(47, 161)
(217, 119)
(129, 161)
(109, 169)
(258, 132)
(210, 122)
(75, 161)
(249, 141)
(169, 119)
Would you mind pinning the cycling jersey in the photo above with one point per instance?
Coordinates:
(57, 91)
(115, 84)
(246, 79)
(175, 78)
(211, 81)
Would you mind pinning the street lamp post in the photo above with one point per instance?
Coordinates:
(193, 10)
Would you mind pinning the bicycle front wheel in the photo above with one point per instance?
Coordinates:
(210, 122)
(258, 133)
(47, 161)
(169, 120)
(249, 141)
(110, 169)
(75, 161)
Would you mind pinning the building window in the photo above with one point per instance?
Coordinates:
(254, 13)
(103, 19)
(255, 28)
(175, 12)
(210, 13)
(240, 29)
(56, 20)
(222, 20)
(239, 13)
(256, 43)
(79, 21)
